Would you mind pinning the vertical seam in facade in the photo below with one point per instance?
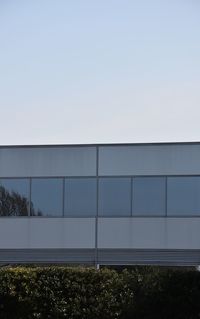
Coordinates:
(97, 206)
(131, 196)
(63, 198)
(166, 196)
(30, 189)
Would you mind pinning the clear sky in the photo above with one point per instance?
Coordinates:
(99, 71)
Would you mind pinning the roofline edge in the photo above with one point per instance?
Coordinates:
(98, 144)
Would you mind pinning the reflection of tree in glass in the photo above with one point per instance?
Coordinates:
(12, 203)
(35, 212)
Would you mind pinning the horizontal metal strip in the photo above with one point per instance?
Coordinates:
(149, 256)
(47, 256)
(105, 256)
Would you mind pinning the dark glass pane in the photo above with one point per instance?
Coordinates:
(183, 196)
(14, 197)
(149, 196)
(46, 197)
(114, 196)
(80, 196)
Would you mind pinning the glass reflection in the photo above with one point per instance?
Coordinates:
(115, 196)
(149, 196)
(183, 196)
(46, 197)
(80, 196)
(14, 197)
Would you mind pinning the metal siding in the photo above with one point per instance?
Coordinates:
(53, 256)
(48, 161)
(160, 257)
(149, 160)
(183, 233)
(48, 233)
(149, 233)
(165, 257)
(164, 241)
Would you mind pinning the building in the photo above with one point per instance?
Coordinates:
(100, 204)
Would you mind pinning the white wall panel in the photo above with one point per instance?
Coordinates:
(183, 233)
(152, 233)
(47, 161)
(113, 233)
(14, 233)
(166, 159)
(47, 233)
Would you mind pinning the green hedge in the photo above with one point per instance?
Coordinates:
(57, 292)
(84, 293)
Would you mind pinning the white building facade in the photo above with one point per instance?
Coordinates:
(117, 204)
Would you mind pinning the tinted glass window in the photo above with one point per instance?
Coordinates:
(80, 196)
(14, 197)
(114, 196)
(46, 197)
(183, 196)
(149, 196)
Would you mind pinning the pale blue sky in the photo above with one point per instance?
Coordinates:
(88, 71)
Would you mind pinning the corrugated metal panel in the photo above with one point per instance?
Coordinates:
(105, 256)
(165, 257)
(18, 256)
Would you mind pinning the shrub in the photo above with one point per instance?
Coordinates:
(58, 292)
(84, 293)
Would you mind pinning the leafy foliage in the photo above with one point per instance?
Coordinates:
(84, 293)
(12, 203)
(58, 292)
